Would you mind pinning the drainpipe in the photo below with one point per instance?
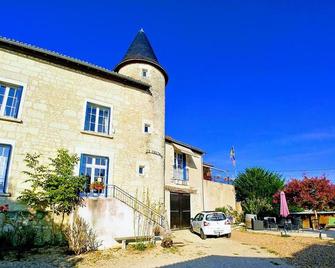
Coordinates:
(164, 156)
(202, 182)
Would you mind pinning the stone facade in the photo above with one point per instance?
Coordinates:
(52, 117)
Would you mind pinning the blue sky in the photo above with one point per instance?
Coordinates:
(258, 75)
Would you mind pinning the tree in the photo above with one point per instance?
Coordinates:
(255, 187)
(315, 193)
(54, 187)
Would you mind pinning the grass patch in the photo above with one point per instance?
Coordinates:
(236, 254)
(172, 250)
(142, 246)
(253, 248)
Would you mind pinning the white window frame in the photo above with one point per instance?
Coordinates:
(110, 123)
(93, 166)
(102, 152)
(143, 170)
(16, 83)
(146, 170)
(146, 71)
(147, 122)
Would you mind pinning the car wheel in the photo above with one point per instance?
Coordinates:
(229, 235)
(191, 229)
(202, 235)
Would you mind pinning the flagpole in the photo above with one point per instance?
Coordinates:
(233, 159)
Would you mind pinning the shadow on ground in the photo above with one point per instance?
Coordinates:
(215, 261)
(318, 255)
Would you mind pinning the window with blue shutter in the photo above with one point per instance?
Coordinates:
(95, 169)
(179, 166)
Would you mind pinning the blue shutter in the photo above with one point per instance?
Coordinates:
(184, 166)
(81, 166)
(87, 118)
(106, 181)
(17, 104)
(7, 153)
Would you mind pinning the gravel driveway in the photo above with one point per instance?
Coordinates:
(223, 252)
(191, 251)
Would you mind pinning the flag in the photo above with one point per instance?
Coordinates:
(232, 156)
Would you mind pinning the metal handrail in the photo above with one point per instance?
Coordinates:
(136, 204)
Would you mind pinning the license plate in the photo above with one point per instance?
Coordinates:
(218, 232)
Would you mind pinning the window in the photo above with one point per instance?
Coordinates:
(97, 118)
(199, 217)
(141, 170)
(95, 169)
(144, 73)
(5, 151)
(147, 128)
(10, 98)
(180, 166)
(216, 217)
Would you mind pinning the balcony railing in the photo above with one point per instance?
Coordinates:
(179, 177)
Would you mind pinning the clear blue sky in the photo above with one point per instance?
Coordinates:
(259, 75)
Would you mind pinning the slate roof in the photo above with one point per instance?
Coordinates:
(70, 62)
(141, 50)
(195, 149)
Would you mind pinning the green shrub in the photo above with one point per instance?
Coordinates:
(140, 246)
(22, 231)
(229, 211)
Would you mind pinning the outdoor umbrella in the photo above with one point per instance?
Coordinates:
(284, 212)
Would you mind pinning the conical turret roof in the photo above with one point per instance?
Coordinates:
(141, 50)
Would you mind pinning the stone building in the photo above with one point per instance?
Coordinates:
(114, 120)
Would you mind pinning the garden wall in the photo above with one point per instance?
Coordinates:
(218, 195)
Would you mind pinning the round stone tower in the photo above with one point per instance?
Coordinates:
(141, 63)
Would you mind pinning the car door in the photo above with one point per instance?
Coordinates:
(198, 222)
(195, 222)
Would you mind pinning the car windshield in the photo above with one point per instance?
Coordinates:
(215, 217)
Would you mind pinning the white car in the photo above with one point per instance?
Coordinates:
(211, 223)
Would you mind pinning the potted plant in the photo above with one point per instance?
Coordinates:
(97, 186)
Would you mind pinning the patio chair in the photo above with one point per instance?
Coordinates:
(296, 223)
(281, 224)
(270, 223)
